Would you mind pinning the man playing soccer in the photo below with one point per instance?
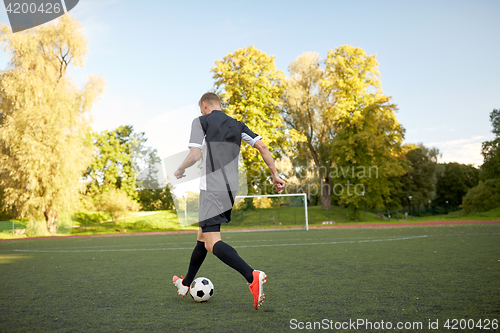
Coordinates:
(218, 137)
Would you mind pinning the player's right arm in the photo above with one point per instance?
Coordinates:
(278, 183)
(195, 145)
(193, 156)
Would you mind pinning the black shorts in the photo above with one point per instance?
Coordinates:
(212, 228)
(214, 209)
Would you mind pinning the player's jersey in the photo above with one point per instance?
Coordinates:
(219, 136)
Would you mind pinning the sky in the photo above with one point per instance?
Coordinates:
(438, 60)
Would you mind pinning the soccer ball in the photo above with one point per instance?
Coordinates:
(201, 289)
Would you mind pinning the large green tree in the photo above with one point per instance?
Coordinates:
(368, 136)
(251, 88)
(44, 118)
(305, 114)
(454, 182)
(346, 125)
(119, 155)
(491, 150)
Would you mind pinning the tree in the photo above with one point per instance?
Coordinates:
(156, 199)
(420, 180)
(119, 155)
(368, 136)
(44, 118)
(491, 150)
(483, 197)
(454, 182)
(151, 176)
(250, 88)
(305, 114)
(345, 124)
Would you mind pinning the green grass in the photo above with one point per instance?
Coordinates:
(89, 223)
(123, 283)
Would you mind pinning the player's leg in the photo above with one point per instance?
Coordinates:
(197, 257)
(228, 255)
(225, 252)
(215, 210)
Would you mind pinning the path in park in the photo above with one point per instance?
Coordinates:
(370, 225)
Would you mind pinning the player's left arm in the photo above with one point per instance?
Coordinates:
(278, 183)
(193, 156)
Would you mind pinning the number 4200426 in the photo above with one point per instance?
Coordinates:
(25, 7)
(461, 324)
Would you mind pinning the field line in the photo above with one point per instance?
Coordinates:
(236, 246)
(191, 242)
(106, 248)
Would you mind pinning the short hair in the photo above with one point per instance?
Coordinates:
(209, 98)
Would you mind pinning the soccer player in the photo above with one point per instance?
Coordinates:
(217, 137)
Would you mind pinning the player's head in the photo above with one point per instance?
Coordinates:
(209, 102)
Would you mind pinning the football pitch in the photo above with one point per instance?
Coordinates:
(321, 278)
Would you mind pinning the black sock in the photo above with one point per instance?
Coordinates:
(197, 257)
(230, 257)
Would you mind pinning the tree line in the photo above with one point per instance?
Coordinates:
(325, 116)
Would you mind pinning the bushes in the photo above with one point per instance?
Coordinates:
(483, 197)
(157, 199)
(117, 203)
(91, 218)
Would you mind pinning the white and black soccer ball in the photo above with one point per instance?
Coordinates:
(201, 289)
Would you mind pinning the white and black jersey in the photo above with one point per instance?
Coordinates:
(219, 136)
(222, 135)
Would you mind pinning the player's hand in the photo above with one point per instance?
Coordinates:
(179, 173)
(279, 184)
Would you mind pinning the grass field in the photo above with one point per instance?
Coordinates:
(396, 274)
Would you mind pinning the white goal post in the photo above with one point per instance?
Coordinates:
(190, 216)
(304, 195)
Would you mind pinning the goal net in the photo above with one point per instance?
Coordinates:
(261, 212)
(267, 212)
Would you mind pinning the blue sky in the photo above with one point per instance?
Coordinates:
(438, 59)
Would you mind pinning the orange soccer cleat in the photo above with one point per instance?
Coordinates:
(257, 288)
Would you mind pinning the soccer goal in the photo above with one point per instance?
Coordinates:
(272, 211)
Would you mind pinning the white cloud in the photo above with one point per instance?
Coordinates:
(467, 151)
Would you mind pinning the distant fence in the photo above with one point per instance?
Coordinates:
(7, 225)
(20, 228)
(401, 214)
(80, 224)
